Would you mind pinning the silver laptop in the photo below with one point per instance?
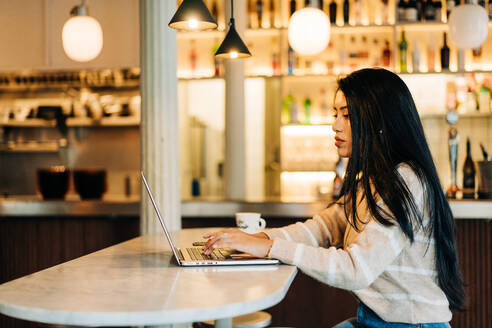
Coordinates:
(193, 256)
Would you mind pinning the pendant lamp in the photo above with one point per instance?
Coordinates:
(82, 35)
(232, 47)
(309, 31)
(192, 15)
(468, 25)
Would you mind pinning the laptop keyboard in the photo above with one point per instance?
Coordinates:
(196, 254)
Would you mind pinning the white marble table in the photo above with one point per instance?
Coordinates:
(138, 283)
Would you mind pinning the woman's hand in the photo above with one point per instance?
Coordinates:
(257, 245)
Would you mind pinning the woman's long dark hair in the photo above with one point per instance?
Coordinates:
(386, 131)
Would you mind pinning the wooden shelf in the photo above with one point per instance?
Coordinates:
(76, 122)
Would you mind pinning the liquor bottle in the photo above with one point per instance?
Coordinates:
(272, 13)
(481, 3)
(411, 13)
(468, 174)
(292, 7)
(285, 117)
(401, 11)
(445, 54)
(403, 46)
(449, 7)
(320, 5)
(193, 58)
(333, 12)
(385, 10)
(438, 11)
(293, 111)
(431, 53)
(357, 12)
(259, 12)
(346, 11)
(415, 56)
(291, 59)
(376, 53)
(490, 10)
(486, 156)
(420, 10)
(251, 14)
(307, 110)
(324, 107)
(386, 54)
(429, 11)
(275, 64)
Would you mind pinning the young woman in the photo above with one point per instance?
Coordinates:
(390, 237)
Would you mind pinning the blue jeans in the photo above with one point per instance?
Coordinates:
(366, 318)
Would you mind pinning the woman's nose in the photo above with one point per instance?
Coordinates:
(337, 125)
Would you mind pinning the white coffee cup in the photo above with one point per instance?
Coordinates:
(250, 222)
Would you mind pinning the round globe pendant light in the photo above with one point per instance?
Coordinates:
(309, 31)
(468, 26)
(192, 15)
(232, 47)
(82, 35)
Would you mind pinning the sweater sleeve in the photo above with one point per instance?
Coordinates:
(324, 229)
(359, 264)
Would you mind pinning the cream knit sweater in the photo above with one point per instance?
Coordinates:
(397, 279)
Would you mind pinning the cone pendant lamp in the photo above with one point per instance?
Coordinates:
(232, 47)
(192, 15)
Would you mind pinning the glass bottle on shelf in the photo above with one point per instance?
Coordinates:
(477, 57)
(490, 9)
(259, 12)
(291, 60)
(386, 54)
(363, 52)
(324, 107)
(193, 58)
(342, 55)
(376, 53)
(431, 53)
(429, 11)
(356, 12)
(445, 54)
(333, 12)
(401, 11)
(285, 116)
(415, 57)
(307, 110)
(385, 11)
(293, 111)
(272, 13)
(320, 5)
(468, 174)
(403, 47)
(411, 13)
(251, 14)
(292, 6)
(438, 10)
(275, 64)
(420, 10)
(449, 7)
(346, 11)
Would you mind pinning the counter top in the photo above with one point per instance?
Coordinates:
(124, 206)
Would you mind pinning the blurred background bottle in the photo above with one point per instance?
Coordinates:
(468, 174)
(403, 47)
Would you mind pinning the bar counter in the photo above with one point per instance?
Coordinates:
(23, 206)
